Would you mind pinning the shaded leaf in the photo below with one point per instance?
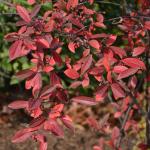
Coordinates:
(24, 74)
(21, 136)
(18, 104)
(86, 65)
(15, 50)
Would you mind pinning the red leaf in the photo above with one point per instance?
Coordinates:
(106, 62)
(35, 82)
(95, 44)
(54, 127)
(86, 81)
(86, 52)
(23, 13)
(132, 82)
(86, 65)
(48, 69)
(117, 91)
(127, 73)
(18, 104)
(91, 1)
(37, 122)
(147, 25)
(71, 73)
(93, 123)
(96, 148)
(67, 121)
(101, 92)
(71, 4)
(119, 51)
(47, 90)
(42, 42)
(76, 22)
(134, 63)
(84, 100)
(111, 40)
(15, 50)
(42, 140)
(71, 47)
(117, 114)
(57, 58)
(115, 133)
(49, 26)
(34, 104)
(75, 84)
(31, 2)
(36, 112)
(56, 111)
(21, 136)
(119, 69)
(138, 51)
(35, 10)
(54, 79)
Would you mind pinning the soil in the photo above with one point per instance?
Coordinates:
(81, 140)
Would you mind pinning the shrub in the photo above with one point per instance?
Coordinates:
(70, 45)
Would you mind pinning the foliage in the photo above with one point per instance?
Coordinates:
(70, 45)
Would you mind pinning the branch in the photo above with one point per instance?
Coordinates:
(123, 125)
(134, 101)
(146, 95)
